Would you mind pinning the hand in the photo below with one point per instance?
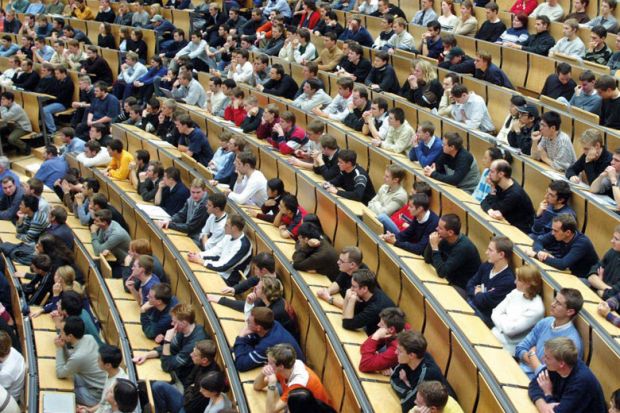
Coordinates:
(251, 298)
(93, 228)
(428, 170)
(130, 284)
(132, 165)
(545, 383)
(159, 339)
(56, 289)
(575, 179)
(495, 214)
(388, 237)
(59, 342)
(162, 184)
(170, 334)
(603, 308)
(376, 142)
(543, 255)
(314, 243)
(536, 136)
(477, 289)
(323, 294)
(213, 298)
(139, 359)
(380, 334)
(20, 274)
(228, 290)
(434, 239)
(403, 376)
(387, 372)
(194, 257)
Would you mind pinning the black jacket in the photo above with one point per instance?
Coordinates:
(538, 43)
(385, 77)
(285, 87)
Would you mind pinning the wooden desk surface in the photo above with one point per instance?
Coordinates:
(139, 342)
(42, 322)
(257, 400)
(504, 367)
(345, 336)
(129, 310)
(47, 376)
(7, 227)
(211, 282)
(424, 271)
(382, 397)
(353, 351)
(115, 286)
(312, 278)
(273, 233)
(475, 330)
(570, 281)
(520, 399)
(607, 326)
(151, 370)
(183, 243)
(231, 330)
(449, 298)
(227, 312)
(44, 343)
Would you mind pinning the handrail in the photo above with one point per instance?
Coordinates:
(235, 382)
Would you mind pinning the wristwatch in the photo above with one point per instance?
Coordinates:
(271, 387)
(331, 300)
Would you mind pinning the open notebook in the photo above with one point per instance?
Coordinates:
(56, 402)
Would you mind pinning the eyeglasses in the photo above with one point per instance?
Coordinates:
(555, 303)
(340, 261)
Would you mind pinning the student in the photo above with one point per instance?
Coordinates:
(391, 195)
(363, 302)
(382, 76)
(433, 396)
(427, 147)
(494, 279)
(606, 87)
(552, 146)
(399, 133)
(353, 179)
(380, 350)
(555, 203)
(314, 253)
(119, 166)
(349, 261)
(250, 188)
(604, 276)
(456, 166)
(171, 192)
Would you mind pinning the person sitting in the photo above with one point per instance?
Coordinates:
(570, 44)
(171, 192)
(363, 302)
(585, 96)
(564, 309)
(289, 217)
(99, 202)
(560, 84)
(470, 110)
(606, 87)
(451, 253)
(604, 276)
(286, 136)
(520, 310)
(552, 146)
(280, 84)
(31, 223)
(598, 51)
(235, 112)
(141, 279)
(606, 309)
(565, 247)
(432, 42)
(349, 261)
(119, 166)
(606, 16)
(519, 135)
(192, 217)
(594, 160)
(415, 365)
(53, 168)
(12, 367)
(376, 122)
(58, 226)
(339, 108)
(565, 382)
(313, 252)
(177, 345)
(538, 43)
(81, 362)
(427, 147)
(131, 71)
(167, 397)
(193, 141)
(249, 188)
(456, 61)
(326, 161)
(260, 333)
(493, 27)
(189, 90)
(455, 166)
(518, 32)
(155, 316)
(422, 86)
(214, 229)
(313, 96)
(14, 123)
(387, 31)
(354, 65)
(110, 358)
(425, 15)
(359, 105)
(507, 199)
(382, 76)
(353, 179)
(555, 203)
(489, 72)
(12, 195)
(331, 54)
(356, 31)
(401, 39)
(379, 351)
(433, 395)
(108, 236)
(214, 387)
(550, 9)
(391, 196)
(494, 279)
(263, 265)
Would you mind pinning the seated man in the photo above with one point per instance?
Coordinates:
(415, 364)
(263, 265)
(493, 27)
(141, 279)
(382, 76)
(379, 351)
(571, 44)
(326, 161)
(555, 203)
(363, 302)
(598, 50)
(119, 166)
(451, 253)
(171, 192)
(376, 119)
(494, 279)
(261, 333)
(586, 97)
(427, 147)
(213, 231)
(313, 96)
(608, 90)
(110, 358)
(175, 350)
(470, 110)
(359, 105)
(281, 84)
(566, 383)
(539, 42)
(72, 304)
(12, 195)
(560, 84)
(354, 65)
(391, 196)
(131, 71)
(432, 43)
(607, 181)
(108, 236)
(251, 185)
(594, 160)
(487, 71)
(98, 202)
(507, 199)
(399, 133)
(193, 140)
(550, 9)
(314, 253)
(425, 15)
(353, 179)
(604, 276)
(338, 109)
(350, 260)
(192, 217)
(12, 367)
(103, 109)
(552, 146)
(286, 136)
(231, 257)
(81, 362)
(14, 123)
(72, 144)
(167, 397)
(564, 309)
(30, 225)
(565, 248)
(415, 237)
(433, 395)
(456, 166)
(520, 134)
(155, 316)
(286, 370)
(401, 39)
(606, 16)
(189, 90)
(331, 54)
(253, 116)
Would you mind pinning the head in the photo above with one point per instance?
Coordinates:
(5, 345)
(396, 117)
(500, 252)
(529, 281)
(483, 60)
(123, 396)
(560, 355)
(204, 353)
(519, 21)
(411, 346)
(558, 193)
(110, 357)
(261, 320)
(213, 384)
(542, 24)
(345, 86)
(171, 176)
(491, 9)
(8, 186)
(419, 205)
(606, 86)
(245, 163)
(216, 203)
(433, 395)
(381, 59)
(452, 143)
(160, 295)
(449, 226)
(527, 114)
(550, 124)
(183, 317)
(350, 259)
(567, 304)
(570, 28)
(73, 330)
(281, 357)
(347, 160)
(363, 283)
(459, 93)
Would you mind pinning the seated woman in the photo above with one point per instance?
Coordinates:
(41, 279)
(59, 253)
(467, 24)
(518, 31)
(64, 280)
(422, 86)
(213, 386)
(494, 279)
(105, 37)
(492, 154)
(271, 207)
(522, 308)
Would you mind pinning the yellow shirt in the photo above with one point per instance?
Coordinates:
(119, 169)
(451, 407)
(86, 14)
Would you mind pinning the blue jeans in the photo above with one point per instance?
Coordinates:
(388, 224)
(48, 115)
(166, 397)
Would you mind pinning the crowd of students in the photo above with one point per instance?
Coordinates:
(507, 298)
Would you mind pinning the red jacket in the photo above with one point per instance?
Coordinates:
(235, 115)
(264, 129)
(293, 139)
(399, 216)
(373, 361)
(524, 6)
(313, 19)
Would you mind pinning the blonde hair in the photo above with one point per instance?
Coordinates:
(530, 276)
(272, 288)
(67, 275)
(428, 70)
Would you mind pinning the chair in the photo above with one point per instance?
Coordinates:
(515, 65)
(113, 58)
(539, 69)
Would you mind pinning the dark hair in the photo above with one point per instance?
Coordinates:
(381, 103)
(264, 260)
(277, 185)
(348, 155)
(55, 248)
(605, 82)
(116, 145)
(567, 221)
(143, 155)
(315, 84)
(587, 76)
(452, 222)
(100, 200)
(600, 31)
(503, 167)
(544, 19)
(31, 202)
(399, 114)
(218, 200)
(563, 68)
(215, 381)
(290, 202)
(308, 230)
(552, 119)
(42, 262)
(454, 139)
(413, 342)
(492, 6)
(496, 153)
(72, 303)
(279, 68)
(365, 278)
(421, 200)
(173, 173)
(562, 190)
(301, 400)
(518, 100)
(74, 326)
(247, 158)
(383, 55)
(434, 25)
(125, 395)
(458, 90)
(110, 355)
(393, 317)
(574, 299)
(422, 187)
(9, 96)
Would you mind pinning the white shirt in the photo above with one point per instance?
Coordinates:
(242, 73)
(214, 227)
(514, 317)
(251, 190)
(102, 158)
(12, 372)
(339, 108)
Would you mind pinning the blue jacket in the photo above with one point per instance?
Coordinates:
(164, 27)
(580, 392)
(10, 51)
(155, 322)
(494, 75)
(361, 36)
(415, 237)
(578, 255)
(251, 350)
(425, 155)
(52, 170)
(172, 200)
(152, 73)
(495, 290)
